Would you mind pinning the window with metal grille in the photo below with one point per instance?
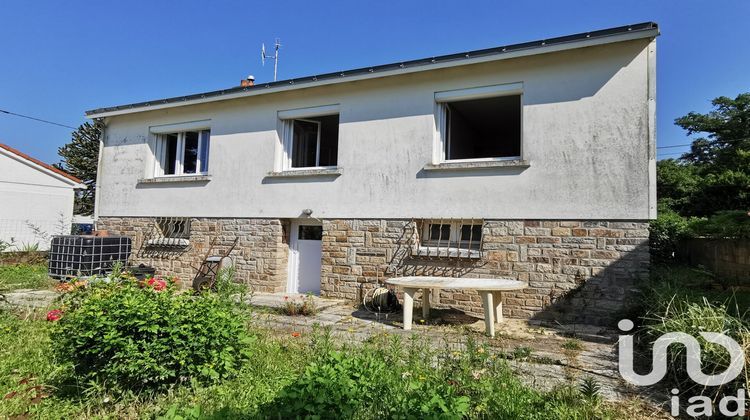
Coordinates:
(450, 238)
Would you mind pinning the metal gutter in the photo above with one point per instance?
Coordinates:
(584, 39)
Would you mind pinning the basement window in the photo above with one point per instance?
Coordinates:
(480, 123)
(182, 153)
(311, 142)
(170, 232)
(450, 238)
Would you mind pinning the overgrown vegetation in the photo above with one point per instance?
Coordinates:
(685, 299)
(297, 376)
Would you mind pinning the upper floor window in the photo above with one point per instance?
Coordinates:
(311, 142)
(480, 123)
(182, 153)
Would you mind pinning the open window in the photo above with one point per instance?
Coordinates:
(450, 238)
(480, 123)
(311, 142)
(182, 153)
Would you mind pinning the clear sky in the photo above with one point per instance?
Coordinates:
(61, 58)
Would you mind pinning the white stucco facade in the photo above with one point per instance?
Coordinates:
(35, 202)
(588, 124)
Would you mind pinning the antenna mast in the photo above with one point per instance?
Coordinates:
(275, 56)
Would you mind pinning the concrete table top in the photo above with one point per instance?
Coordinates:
(420, 282)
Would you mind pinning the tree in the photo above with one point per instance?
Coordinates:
(715, 174)
(80, 158)
(677, 184)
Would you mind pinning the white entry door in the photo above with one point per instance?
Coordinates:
(305, 250)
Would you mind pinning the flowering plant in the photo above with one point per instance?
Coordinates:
(54, 315)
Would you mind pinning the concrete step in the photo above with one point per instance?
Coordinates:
(278, 300)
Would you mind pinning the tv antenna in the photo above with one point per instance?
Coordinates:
(275, 56)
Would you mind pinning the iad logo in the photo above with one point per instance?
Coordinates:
(693, 350)
(700, 405)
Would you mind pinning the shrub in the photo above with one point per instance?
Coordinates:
(725, 224)
(664, 233)
(131, 335)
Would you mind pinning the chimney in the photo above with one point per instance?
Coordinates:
(250, 81)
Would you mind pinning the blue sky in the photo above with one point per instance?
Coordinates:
(59, 59)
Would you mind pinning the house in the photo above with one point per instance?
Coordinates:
(533, 161)
(36, 199)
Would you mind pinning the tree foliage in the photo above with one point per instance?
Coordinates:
(80, 158)
(715, 174)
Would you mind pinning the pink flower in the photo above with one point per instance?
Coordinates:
(157, 283)
(286, 297)
(54, 315)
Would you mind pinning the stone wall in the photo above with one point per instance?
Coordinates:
(578, 271)
(260, 255)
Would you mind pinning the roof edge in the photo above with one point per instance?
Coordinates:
(579, 40)
(47, 167)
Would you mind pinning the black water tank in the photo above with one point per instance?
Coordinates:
(74, 256)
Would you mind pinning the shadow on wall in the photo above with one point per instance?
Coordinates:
(602, 299)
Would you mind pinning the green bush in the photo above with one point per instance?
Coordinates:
(725, 224)
(133, 336)
(664, 233)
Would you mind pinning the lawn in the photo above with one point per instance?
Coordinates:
(24, 276)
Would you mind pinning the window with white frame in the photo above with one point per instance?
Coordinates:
(182, 153)
(480, 123)
(311, 142)
(465, 234)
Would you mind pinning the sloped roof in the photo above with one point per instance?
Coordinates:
(620, 33)
(40, 163)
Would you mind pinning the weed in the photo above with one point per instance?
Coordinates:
(522, 353)
(304, 306)
(572, 344)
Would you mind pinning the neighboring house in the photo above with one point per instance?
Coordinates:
(36, 199)
(533, 161)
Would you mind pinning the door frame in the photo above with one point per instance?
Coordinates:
(292, 282)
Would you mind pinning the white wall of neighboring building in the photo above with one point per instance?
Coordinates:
(35, 203)
(587, 134)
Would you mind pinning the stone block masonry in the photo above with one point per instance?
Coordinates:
(578, 271)
(260, 256)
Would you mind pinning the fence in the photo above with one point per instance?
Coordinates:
(729, 259)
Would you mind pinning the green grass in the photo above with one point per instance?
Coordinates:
(24, 276)
(690, 284)
(394, 372)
